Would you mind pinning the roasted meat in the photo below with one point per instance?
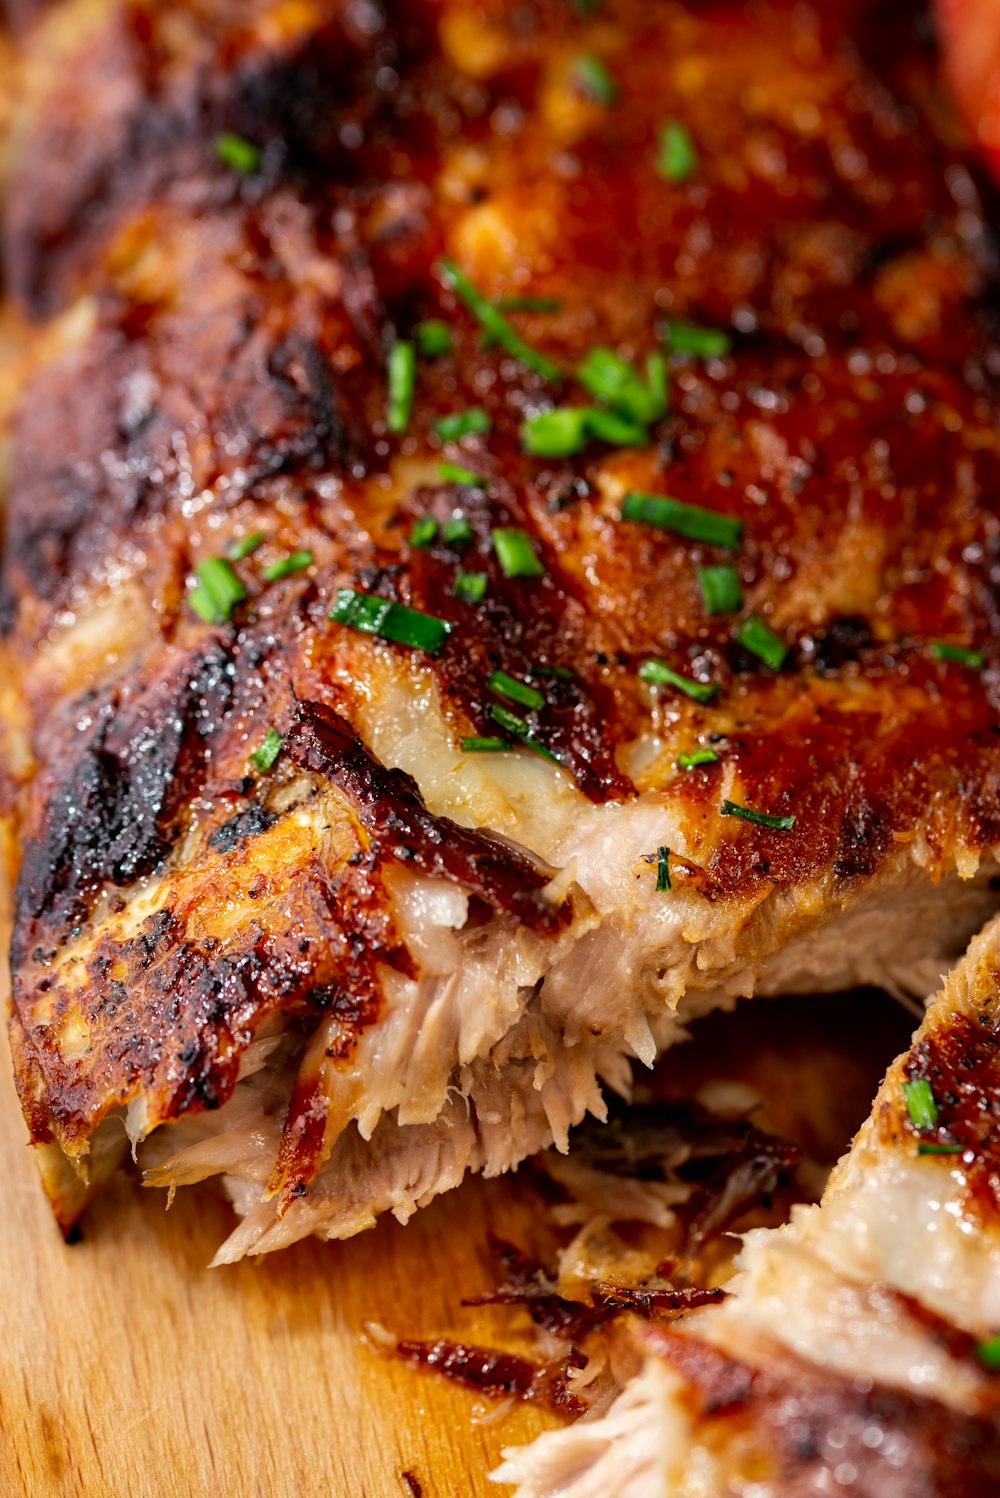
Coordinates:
(501, 556)
(860, 1344)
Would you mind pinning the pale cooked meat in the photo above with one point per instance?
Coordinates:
(343, 977)
(862, 1322)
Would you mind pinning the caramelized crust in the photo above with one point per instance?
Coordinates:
(205, 356)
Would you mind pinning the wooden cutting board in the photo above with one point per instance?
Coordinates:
(129, 1369)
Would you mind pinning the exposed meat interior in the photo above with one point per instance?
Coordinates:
(861, 1337)
(279, 913)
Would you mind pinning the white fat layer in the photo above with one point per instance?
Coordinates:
(828, 1287)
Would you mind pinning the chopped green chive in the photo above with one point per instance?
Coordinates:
(567, 429)
(663, 870)
(988, 1353)
(264, 756)
(515, 553)
(560, 673)
(618, 383)
(696, 757)
(454, 473)
(462, 424)
(484, 746)
(761, 818)
(528, 304)
(920, 1103)
(923, 1148)
(493, 321)
(594, 80)
(514, 690)
(518, 728)
(702, 343)
(754, 635)
(402, 375)
(555, 434)
(422, 532)
(456, 532)
(232, 150)
(294, 562)
(433, 338)
(692, 521)
(392, 621)
(676, 157)
(656, 381)
(218, 592)
(469, 587)
(942, 651)
(608, 426)
(720, 589)
(245, 545)
(660, 674)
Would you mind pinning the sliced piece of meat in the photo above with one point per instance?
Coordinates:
(219, 222)
(858, 1346)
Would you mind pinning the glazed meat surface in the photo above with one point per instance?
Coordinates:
(261, 262)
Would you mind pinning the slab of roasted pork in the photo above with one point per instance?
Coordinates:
(858, 1350)
(501, 556)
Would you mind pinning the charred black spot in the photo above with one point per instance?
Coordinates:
(844, 641)
(245, 824)
(115, 816)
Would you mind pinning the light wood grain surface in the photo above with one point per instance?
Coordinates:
(128, 1368)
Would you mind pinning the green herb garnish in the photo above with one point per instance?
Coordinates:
(676, 157)
(696, 757)
(462, 424)
(663, 870)
(960, 654)
(264, 756)
(528, 304)
(218, 592)
(518, 729)
(245, 545)
(469, 587)
(493, 321)
(402, 377)
(923, 1148)
(484, 746)
(621, 386)
(692, 521)
(392, 621)
(433, 338)
(660, 674)
(762, 818)
(720, 589)
(514, 690)
(233, 151)
(594, 80)
(560, 673)
(285, 566)
(454, 473)
(988, 1353)
(702, 343)
(457, 531)
(422, 532)
(515, 553)
(755, 636)
(920, 1103)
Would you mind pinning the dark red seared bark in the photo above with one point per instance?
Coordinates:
(205, 356)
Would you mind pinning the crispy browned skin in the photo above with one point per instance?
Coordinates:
(206, 356)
